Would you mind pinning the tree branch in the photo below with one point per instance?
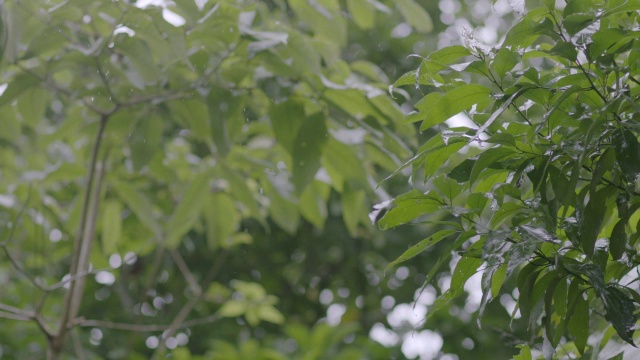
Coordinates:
(82, 246)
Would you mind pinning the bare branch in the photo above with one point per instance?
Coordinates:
(12, 316)
(145, 328)
(82, 245)
(188, 276)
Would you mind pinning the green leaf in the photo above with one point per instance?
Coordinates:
(282, 210)
(506, 211)
(462, 172)
(526, 282)
(32, 105)
(240, 189)
(574, 23)
(194, 115)
(221, 219)
(487, 159)
(441, 58)
(362, 13)
(343, 165)
(521, 35)
(498, 279)
(140, 60)
(505, 60)
(455, 101)
(286, 119)
(188, 210)
(313, 203)
(145, 140)
(111, 226)
(354, 203)
(618, 240)
(415, 15)
(592, 219)
(139, 204)
(270, 314)
(408, 207)
(620, 312)
(627, 153)
(420, 247)
(499, 112)
(466, 267)
(17, 86)
(307, 150)
(525, 353)
(579, 323)
(232, 308)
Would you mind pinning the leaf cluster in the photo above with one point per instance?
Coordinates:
(542, 186)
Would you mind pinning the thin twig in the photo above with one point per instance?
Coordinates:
(186, 309)
(146, 328)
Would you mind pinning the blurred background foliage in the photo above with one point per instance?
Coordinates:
(242, 144)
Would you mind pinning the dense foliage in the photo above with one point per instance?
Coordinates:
(542, 187)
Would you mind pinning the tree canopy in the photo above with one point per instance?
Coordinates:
(196, 179)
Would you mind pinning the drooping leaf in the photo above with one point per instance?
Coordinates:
(466, 267)
(627, 153)
(579, 323)
(620, 312)
(420, 247)
(498, 279)
(591, 220)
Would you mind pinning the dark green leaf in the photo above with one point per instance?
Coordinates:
(591, 220)
(462, 172)
(579, 323)
(618, 240)
(620, 312)
(627, 153)
(307, 150)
